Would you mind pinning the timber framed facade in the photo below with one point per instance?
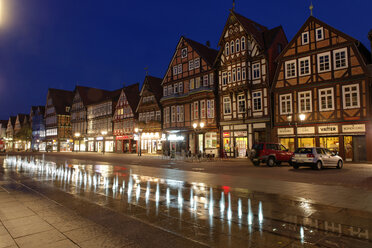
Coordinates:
(246, 65)
(189, 99)
(322, 93)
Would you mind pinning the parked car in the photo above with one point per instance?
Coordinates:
(316, 157)
(269, 153)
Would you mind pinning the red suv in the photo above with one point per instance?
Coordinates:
(270, 153)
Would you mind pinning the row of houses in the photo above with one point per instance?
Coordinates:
(314, 90)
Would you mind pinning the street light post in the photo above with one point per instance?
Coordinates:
(138, 131)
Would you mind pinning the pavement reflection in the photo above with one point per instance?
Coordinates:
(210, 214)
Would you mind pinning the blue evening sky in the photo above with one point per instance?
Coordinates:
(103, 44)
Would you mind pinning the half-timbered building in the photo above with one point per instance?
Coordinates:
(150, 115)
(9, 146)
(125, 119)
(38, 127)
(246, 66)
(83, 96)
(189, 100)
(58, 136)
(22, 133)
(322, 93)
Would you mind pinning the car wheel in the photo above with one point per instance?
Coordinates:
(340, 164)
(270, 162)
(295, 165)
(319, 165)
(256, 163)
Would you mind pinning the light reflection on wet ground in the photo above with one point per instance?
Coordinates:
(213, 215)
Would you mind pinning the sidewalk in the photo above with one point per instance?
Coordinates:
(30, 220)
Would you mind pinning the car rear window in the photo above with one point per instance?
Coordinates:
(258, 146)
(304, 150)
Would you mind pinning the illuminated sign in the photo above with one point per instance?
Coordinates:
(174, 137)
(354, 128)
(328, 129)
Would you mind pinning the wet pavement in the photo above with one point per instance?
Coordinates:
(164, 208)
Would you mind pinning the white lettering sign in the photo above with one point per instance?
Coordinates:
(174, 137)
(240, 133)
(285, 131)
(328, 129)
(306, 130)
(358, 128)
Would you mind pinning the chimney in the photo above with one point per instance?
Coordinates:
(208, 43)
(370, 39)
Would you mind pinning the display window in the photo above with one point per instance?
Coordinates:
(109, 146)
(210, 140)
(289, 143)
(227, 144)
(306, 142)
(201, 141)
(348, 145)
(241, 144)
(331, 143)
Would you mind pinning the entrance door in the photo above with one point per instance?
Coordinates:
(359, 148)
(241, 143)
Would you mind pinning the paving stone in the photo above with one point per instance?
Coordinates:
(60, 244)
(26, 226)
(6, 241)
(39, 239)
(86, 233)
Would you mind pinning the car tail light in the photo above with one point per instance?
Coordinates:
(310, 155)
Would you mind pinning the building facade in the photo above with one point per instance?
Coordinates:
(150, 116)
(58, 136)
(125, 120)
(9, 146)
(38, 128)
(100, 126)
(322, 93)
(22, 133)
(83, 96)
(246, 66)
(3, 127)
(189, 100)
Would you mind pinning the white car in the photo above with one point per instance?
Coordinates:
(316, 157)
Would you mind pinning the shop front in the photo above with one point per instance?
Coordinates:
(66, 145)
(109, 144)
(349, 140)
(176, 144)
(91, 144)
(152, 142)
(125, 144)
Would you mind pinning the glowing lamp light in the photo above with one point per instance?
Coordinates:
(194, 125)
(202, 124)
(77, 134)
(136, 130)
(302, 117)
(104, 132)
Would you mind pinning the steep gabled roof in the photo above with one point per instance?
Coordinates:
(209, 54)
(252, 27)
(22, 117)
(61, 99)
(132, 94)
(154, 84)
(91, 95)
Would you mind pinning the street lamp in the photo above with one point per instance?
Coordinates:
(138, 131)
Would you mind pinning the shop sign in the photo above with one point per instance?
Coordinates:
(226, 134)
(240, 134)
(259, 125)
(305, 130)
(285, 131)
(90, 138)
(328, 129)
(357, 128)
(174, 137)
(123, 137)
(99, 138)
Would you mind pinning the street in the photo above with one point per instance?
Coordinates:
(214, 203)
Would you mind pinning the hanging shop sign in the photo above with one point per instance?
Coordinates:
(285, 131)
(328, 129)
(357, 128)
(305, 130)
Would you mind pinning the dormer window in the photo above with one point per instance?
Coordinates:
(184, 52)
(232, 47)
(319, 34)
(237, 44)
(243, 43)
(227, 49)
(305, 38)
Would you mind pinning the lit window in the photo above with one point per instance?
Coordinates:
(304, 102)
(290, 69)
(326, 99)
(257, 101)
(285, 104)
(350, 96)
(226, 105)
(340, 58)
(304, 66)
(197, 83)
(192, 84)
(256, 71)
(323, 62)
(241, 104)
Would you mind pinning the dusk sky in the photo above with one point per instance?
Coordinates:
(103, 44)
